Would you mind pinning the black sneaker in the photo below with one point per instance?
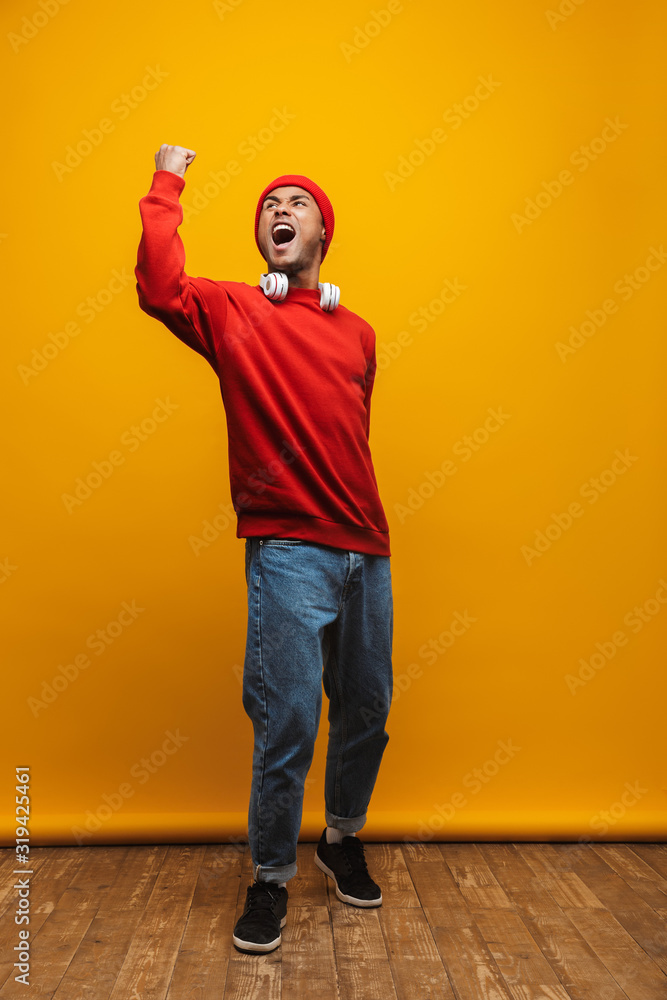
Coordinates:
(258, 929)
(346, 865)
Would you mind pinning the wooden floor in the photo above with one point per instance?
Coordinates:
(498, 921)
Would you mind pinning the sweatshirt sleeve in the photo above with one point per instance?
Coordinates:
(194, 309)
(370, 381)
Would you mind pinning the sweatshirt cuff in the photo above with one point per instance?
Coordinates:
(167, 182)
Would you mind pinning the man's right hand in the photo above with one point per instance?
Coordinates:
(174, 158)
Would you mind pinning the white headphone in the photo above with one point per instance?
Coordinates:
(276, 285)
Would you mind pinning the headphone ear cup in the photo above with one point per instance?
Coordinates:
(329, 296)
(274, 285)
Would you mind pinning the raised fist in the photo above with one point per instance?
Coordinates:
(174, 158)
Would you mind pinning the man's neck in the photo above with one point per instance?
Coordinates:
(302, 280)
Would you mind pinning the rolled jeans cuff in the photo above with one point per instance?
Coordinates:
(347, 825)
(278, 873)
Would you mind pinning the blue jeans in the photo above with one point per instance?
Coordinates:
(317, 615)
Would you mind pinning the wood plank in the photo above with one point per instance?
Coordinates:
(418, 851)
(509, 868)
(150, 958)
(43, 862)
(90, 882)
(640, 920)
(439, 895)
(254, 977)
(532, 991)
(487, 896)
(489, 921)
(653, 893)
(655, 856)
(362, 965)
(514, 950)
(415, 962)
(8, 861)
(578, 858)
(626, 862)
(247, 874)
(627, 962)
(48, 866)
(643, 879)
(309, 885)
(201, 965)
(308, 964)
(571, 889)
(475, 880)
(387, 866)
(545, 859)
(51, 951)
(52, 871)
(614, 893)
(579, 970)
(469, 964)
(99, 958)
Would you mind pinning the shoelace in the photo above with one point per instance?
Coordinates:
(261, 897)
(353, 852)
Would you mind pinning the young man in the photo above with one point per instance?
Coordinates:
(296, 372)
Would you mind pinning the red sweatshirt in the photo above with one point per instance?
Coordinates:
(296, 384)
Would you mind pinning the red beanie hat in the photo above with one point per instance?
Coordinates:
(323, 203)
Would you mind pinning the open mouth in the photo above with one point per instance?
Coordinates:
(282, 233)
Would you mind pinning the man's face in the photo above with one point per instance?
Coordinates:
(291, 232)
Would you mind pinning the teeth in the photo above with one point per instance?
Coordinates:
(283, 225)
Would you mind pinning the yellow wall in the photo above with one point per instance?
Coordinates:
(476, 298)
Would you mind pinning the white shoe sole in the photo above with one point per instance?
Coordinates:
(341, 895)
(254, 946)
